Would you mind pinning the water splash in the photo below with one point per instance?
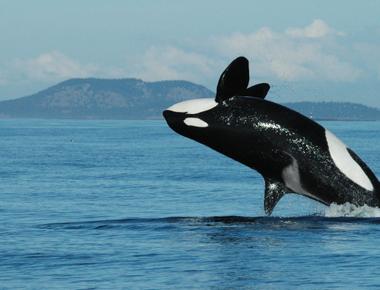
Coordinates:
(350, 210)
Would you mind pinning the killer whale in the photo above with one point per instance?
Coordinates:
(293, 153)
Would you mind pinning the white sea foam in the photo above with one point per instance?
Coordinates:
(350, 210)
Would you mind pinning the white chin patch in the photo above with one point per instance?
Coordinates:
(195, 122)
(345, 163)
(193, 106)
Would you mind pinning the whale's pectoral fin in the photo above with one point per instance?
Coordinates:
(234, 80)
(274, 190)
(258, 91)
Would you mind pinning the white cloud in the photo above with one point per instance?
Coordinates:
(295, 54)
(52, 65)
(163, 63)
(3, 80)
(369, 56)
(317, 29)
(281, 55)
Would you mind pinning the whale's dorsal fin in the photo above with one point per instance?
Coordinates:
(234, 80)
(274, 190)
(258, 91)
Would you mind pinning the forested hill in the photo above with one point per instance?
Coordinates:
(103, 99)
(93, 98)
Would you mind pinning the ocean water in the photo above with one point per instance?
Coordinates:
(132, 205)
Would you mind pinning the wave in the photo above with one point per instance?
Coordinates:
(169, 223)
(344, 213)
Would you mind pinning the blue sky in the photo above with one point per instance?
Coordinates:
(307, 50)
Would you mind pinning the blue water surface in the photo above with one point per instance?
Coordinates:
(132, 205)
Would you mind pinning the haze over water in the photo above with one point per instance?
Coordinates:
(131, 205)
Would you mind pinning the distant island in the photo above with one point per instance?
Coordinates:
(93, 98)
(334, 111)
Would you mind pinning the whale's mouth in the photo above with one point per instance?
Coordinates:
(174, 120)
(182, 122)
(168, 115)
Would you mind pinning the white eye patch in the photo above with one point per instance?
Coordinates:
(193, 106)
(195, 122)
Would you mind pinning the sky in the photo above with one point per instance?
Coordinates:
(307, 50)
